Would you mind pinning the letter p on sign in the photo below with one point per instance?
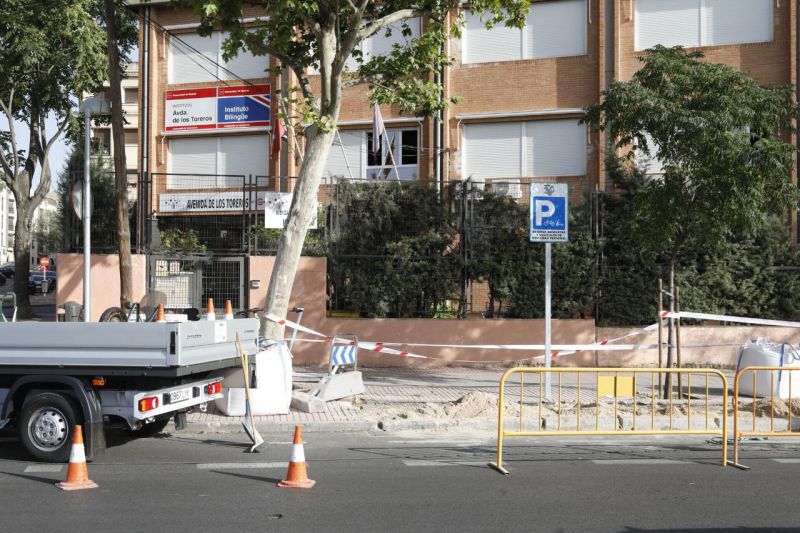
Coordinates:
(544, 209)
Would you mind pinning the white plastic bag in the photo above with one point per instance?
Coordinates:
(271, 393)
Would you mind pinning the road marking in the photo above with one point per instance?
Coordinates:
(44, 468)
(788, 460)
(444, 462)
(239, 466)
(638, 462)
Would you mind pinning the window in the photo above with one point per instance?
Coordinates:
(694, 23)
(353, 158)
(397, 158)
(131, 137)
(540, 148)
(193, 59)
(102, 141)
(552, 29)
(216, 159)
(382, 44)
(132, 95)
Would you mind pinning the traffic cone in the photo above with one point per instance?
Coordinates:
(228, 310)
(210, 314)
(77, 473)
(160, 314)
(296, 477)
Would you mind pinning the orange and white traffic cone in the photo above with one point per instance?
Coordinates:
(160, 314)
(210, 314)
(228, 310)
(77, 473)
(296, 477)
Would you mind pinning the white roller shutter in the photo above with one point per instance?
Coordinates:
(349, 151)
(481, 45)
(243, 155)
(192, 156)
(380, 45)
(555, 148)
(492, 150)
(556, 29)
(667, 22)
(192, 58)
(245, 65)
(736, 21)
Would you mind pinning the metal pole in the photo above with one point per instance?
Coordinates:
(678, 342)
(660, 333)
(548, 355)
(87, 221)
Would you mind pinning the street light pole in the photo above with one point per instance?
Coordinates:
(87, 217)
(90, 106)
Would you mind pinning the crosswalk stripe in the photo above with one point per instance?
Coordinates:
(43, 468)
(239, 466)
(787, 460)
(638, 462)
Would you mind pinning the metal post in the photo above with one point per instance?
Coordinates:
(660, 333)
(678, 342)
(548, 355)
(87, 222)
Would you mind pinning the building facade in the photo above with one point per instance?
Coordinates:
(522, 90)
(8, 217)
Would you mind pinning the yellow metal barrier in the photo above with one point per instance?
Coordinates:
(615, 382)
(772, 372)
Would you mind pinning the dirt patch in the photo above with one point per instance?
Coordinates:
(472, 405)
(778, 408)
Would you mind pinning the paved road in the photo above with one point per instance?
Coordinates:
(406, 482)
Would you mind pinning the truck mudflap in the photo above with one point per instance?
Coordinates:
(137, 406)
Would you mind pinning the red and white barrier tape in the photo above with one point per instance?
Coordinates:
(735, 319)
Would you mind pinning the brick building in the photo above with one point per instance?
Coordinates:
(523, 90)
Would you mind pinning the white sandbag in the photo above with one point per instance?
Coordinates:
(761, 352)
(271, 393)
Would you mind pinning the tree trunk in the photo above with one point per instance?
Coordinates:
(290, 244)
(671, 331)
(23, 238)
(120, 165)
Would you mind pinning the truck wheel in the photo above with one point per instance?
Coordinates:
(149, 430)
(46, 424)
(113, 314)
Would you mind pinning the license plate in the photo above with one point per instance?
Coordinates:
(180, 395)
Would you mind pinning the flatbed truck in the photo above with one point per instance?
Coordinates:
(138, 375)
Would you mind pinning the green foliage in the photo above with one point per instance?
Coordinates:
(719, 136)
(180, 240)
(394, 251)
(314, 245)
(513, 267)
(48, 232)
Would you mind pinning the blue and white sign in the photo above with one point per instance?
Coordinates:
(549, 212)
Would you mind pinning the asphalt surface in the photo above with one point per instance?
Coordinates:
(407, 482)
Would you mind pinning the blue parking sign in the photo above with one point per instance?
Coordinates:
(549, 212)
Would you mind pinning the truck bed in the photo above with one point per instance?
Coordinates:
(153, 349)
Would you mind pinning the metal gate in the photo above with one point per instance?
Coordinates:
(189, 281)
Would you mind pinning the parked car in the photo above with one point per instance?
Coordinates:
(36, 285)
(3, 279)
(7, 270)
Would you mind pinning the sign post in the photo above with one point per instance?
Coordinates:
(549, 223)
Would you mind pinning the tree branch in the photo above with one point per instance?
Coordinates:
(373, 78)
(13, 133)
(373, 27)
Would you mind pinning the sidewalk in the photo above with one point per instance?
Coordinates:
(412, 398)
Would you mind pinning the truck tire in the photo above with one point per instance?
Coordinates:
(149, 430)
(113, 314)
(46, 424)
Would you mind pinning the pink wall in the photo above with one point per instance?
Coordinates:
(309, 291)
(105, 280)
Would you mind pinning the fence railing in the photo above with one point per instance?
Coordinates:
(645, 413)
(772, 381)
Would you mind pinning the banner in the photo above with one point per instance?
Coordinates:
(210, 202)
(276, 209)
(245, 106)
